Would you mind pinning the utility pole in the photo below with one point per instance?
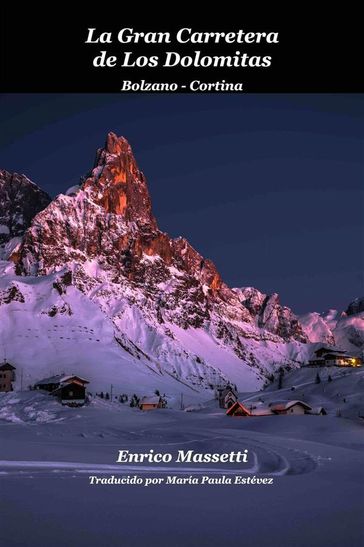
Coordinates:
(111, 392)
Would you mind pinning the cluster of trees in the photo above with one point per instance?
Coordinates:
(318, 378)
(133, 401)
(123, 398)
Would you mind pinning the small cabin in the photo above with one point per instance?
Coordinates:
(71, 393)
(227, 396)
(151, 403)
(290, 407)
(318, 411)
(7, 377)
(238, 409)
(70, 390)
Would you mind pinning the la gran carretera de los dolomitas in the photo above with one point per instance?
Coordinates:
(185, 37)
(183, 456)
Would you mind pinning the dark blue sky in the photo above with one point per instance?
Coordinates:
(270, 187)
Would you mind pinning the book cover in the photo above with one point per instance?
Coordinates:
(181, 281)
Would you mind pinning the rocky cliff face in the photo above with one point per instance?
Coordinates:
(20, 201)
(162, 297)
(270, 315)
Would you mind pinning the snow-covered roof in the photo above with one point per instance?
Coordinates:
(50, 380)
(288, 404)
(278, 402)
(60, 378)
(6, 366)
(150, 400)
(70, 377)
(236, 405)
(261, 410)
(330, 349)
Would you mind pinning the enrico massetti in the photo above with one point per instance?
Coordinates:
(183, 456)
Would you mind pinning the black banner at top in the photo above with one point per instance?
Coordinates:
(128, 54)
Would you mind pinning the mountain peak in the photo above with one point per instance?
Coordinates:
(116, 145)
(117, 184)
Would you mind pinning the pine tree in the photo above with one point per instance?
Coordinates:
(157, 392)
(280, 378)
(134, 401)
(329, 379)
(107, 396)
(102, 394)
(318, 379)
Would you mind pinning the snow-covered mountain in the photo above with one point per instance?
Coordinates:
(343, 329)
(318, 328)
(94, 286)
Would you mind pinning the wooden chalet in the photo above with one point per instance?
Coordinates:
(238, 409)
(7, 377)
(151, 402)
(329, 356)
(70, 390)
(227, 396)
(290, 407)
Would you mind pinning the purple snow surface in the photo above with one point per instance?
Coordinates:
(316, 463)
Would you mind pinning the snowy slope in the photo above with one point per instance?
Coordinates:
(45, 332)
